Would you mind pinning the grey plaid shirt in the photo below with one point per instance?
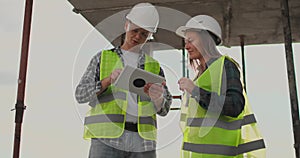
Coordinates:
(90, 84)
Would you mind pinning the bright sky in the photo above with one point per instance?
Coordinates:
(62, 43)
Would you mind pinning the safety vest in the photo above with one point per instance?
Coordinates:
(211, 135)
(107, 118)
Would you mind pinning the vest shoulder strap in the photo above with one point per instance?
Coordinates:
(151, 64)
(232, 60)
(110, 60)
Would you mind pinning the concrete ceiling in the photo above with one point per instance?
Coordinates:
(259, 21)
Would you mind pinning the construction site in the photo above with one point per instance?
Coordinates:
(251, 32)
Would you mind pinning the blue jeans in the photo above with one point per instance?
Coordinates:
(129, 145)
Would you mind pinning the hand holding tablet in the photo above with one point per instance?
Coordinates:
(134, 80)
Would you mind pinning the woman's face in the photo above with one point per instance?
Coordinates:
(192, 45)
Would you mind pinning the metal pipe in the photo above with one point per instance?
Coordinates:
(187, 73)
(175, 108)
(183, 58)
(176, 97)
(20, 107)
(242, 39)
(291, 74)
(227, 22)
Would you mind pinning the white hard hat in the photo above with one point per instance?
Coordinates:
(145, 16)
(202, 22)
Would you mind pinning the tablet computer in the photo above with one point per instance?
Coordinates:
(133, 79)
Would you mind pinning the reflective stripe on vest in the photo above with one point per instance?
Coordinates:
(116, 118)
(233, 125)
(223, 149)
(104, 118)
(148, 120)
(111, 97)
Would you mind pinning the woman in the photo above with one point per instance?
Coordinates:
(217, 120)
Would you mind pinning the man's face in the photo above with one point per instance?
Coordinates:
(135, 35)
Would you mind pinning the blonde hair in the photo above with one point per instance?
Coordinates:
(206, 46)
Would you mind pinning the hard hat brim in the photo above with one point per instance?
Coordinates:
(149, 29)
(183, 29)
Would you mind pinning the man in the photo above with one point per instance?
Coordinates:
(121, 123)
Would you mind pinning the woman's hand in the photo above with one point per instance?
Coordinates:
(186, 84)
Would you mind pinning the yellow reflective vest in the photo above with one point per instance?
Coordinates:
(107, 118)
(207, 135)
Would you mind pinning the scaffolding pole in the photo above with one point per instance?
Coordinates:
(242, 39)
(20, 107)
(183, 59)
(291, 75)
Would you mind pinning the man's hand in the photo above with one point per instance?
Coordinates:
(106, 82)
(155, 92)
(114, 75)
